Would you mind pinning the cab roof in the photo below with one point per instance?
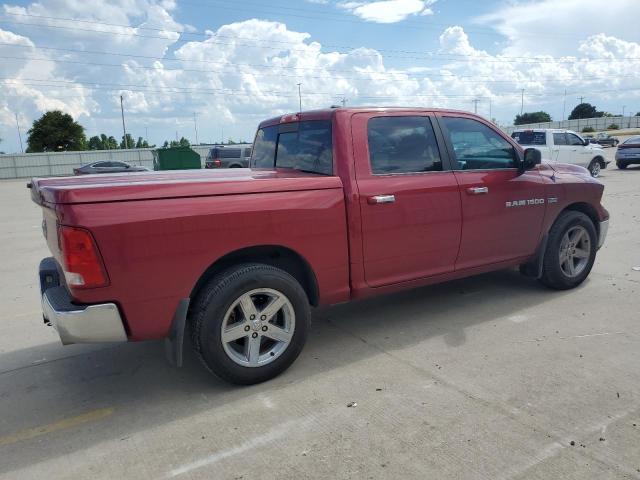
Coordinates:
(328, 113)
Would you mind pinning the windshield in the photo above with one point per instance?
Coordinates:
(632, 140)
(529, 137)
(304, 146)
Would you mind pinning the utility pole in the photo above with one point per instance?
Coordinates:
(623, 107)
(221, 135)
(522, 103)
(343, 101)
(146, 134)
(195, 125)
(581, 99)
(564, 103)
(475, 105)
(124, 128)
(19, 134)
(300, 97)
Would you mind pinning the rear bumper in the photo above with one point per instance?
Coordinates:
(77, 323)
(603, 230)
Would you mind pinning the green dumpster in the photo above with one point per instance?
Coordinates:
(175, 158)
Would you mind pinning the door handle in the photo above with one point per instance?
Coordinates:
(477, 190)
(381, 199)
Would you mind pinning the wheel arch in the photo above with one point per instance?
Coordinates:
(534, 266)
(600, 160)
(275, 255)
(583, 207)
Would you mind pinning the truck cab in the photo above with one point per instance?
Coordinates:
(564, 146)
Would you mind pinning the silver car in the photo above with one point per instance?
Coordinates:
(628, 152)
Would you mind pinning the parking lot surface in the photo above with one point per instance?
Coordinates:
(491, 377)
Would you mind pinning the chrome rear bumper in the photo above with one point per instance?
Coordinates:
(76, 323)
(87, 324)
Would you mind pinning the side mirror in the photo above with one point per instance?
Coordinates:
(532, 157)
(586, 142)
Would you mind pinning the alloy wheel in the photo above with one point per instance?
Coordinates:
(258, 327)
(575, 250)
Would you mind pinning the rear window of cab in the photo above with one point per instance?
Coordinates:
(306, 146)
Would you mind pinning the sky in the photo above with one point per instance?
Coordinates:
(225, 65)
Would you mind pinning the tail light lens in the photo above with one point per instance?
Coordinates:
(217, 163)
(82, 263)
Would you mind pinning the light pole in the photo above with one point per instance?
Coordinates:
(300, 97)
(522, 103)
(124, 128)
(623, 107)
(19, 134)
(195, 125)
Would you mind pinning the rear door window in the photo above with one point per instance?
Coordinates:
(228, 153)
(402, 145)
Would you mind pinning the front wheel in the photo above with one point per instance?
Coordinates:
(594, 168)
(571, 251)
(250, 323)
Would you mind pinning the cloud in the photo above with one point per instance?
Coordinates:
(557, 27)
(241, 73)
(388, 11)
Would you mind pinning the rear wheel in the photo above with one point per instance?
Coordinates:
(594, 168)
(621, 165)
(570, 252)
(250, 323)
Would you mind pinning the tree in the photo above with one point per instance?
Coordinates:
(584, 110)
(142, 143)
(183, 142)
(95, 143)
(532, 117)
(637, 114)
(109, 143)
(56, 131)
(131, 143)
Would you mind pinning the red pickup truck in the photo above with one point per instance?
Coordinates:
(338, 204)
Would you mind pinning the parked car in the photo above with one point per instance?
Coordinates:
(108, 167)
(606, 139)
(339, 204)
(236, 156)
(590, 138)
(564, 146)
(628, 152)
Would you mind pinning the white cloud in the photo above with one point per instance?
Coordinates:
(241, 73)
(388, 11)
(556, 27)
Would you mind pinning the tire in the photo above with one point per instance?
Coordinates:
(222, 303)
(556, 272)
(594, 168)
(622, 165)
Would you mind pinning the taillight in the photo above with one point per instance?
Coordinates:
(217, 163)
(82, 264)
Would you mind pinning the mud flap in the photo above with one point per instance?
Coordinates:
(174, 343)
